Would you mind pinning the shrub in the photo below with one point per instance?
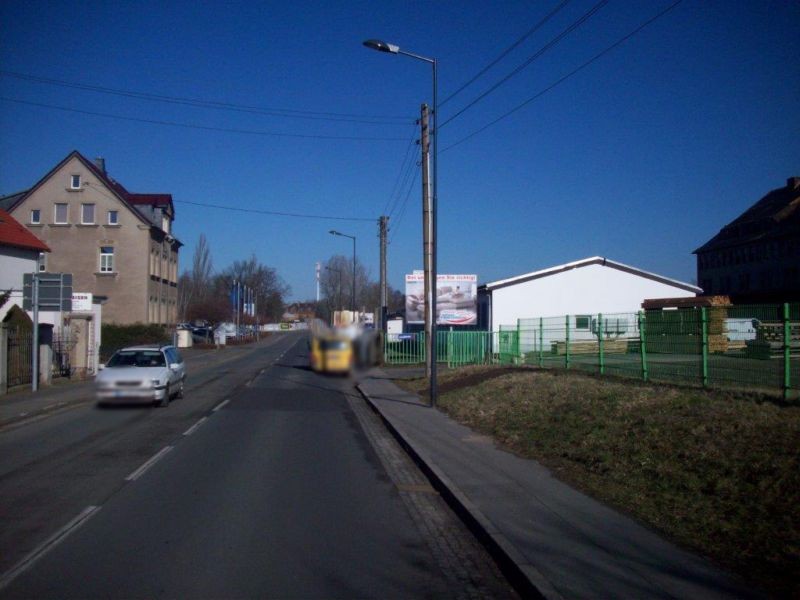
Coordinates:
(115, 337)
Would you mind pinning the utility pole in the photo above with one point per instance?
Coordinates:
(383, 224)
(427, 241)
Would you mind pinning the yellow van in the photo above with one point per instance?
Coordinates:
(331, 354)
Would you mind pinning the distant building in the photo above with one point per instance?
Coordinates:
(19, 254)
(580, 289)
(756, 257)
(299, 311)
(118, 245)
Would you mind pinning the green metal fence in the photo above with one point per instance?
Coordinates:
(745, 347)
(454, 348)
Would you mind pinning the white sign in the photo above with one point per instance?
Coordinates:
(456, 299)
(81, 302)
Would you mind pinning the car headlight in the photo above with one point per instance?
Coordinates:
(155, 382)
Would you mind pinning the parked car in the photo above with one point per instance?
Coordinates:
(142, 374)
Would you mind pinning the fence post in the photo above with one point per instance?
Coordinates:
(3, 358)
(566, 346)
(600, 343)
(518, 346)
(704, 331)
(642, 345)
(787, 335)
(541, 342)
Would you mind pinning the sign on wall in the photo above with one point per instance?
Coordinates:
(456, 299)
(81, 302)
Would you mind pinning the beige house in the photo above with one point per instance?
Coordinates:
(118, 245)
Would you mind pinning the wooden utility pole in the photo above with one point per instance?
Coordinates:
(383, 225)
(427, 238)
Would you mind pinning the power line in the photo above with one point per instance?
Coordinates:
(274, 212)
(402, 212)
(505, 52)
(399, 194)
(402, 169)
(278, 112)
(251, 210)
(586, 16)
(206, 127)
(565, 77)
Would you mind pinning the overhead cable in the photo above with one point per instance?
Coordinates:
(275, 212)
(565, 77)
(505, 52)
(278, 112)
(207, 127)
(586, 16)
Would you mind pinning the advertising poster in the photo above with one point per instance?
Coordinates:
(456, 299)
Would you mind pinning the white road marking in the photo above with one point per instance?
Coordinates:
(194, 427)
(47, 545)
(220, 405)
(151, 461)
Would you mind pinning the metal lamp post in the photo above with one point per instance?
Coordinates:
(352, 237)
(382, 46)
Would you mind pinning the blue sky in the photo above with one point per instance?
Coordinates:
(640, 157)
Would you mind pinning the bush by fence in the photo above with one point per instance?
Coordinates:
(119, 336)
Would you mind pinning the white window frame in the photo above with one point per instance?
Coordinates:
(116, 217)
(38, 220)
(55, 213)
(106, 266)
(73, 180)
(588, 322)
(83, 213)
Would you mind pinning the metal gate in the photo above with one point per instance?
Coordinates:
(508, 345)
(63, 342)
(20, 359)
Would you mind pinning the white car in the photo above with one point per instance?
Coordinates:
(142, 374)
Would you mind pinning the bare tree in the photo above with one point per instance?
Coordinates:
(195, 286)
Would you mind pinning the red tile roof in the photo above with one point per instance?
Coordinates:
(151, 199)
(12, 233)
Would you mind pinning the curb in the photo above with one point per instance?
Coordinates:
(524, 577)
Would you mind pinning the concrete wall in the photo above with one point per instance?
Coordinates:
(76, 246)
(586, 290)
(14, 263)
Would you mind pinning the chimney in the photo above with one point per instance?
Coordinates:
(100, 163)
(793, 183)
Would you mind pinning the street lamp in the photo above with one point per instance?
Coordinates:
(339, 271)
(352, 237)
(382, 46)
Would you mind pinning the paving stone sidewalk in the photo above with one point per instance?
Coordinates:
(563, 543)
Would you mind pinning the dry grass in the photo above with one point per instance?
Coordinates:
(714, 471)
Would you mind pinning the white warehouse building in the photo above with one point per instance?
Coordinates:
(581, 289)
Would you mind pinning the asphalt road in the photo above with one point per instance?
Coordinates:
(266, 480)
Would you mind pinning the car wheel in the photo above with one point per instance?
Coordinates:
(165, 400)
(180, 389)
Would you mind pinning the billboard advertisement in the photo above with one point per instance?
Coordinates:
(456, 299)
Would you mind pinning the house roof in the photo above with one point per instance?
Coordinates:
(776, 215)
(593, 260)
(13, 233)
(129, 199)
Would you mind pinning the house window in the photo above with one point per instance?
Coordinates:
(113, 217)
(582, 322)
(106, 259)
(36, 216)
(87, 214)
(165, 223)
(74, 182)
(61, 214)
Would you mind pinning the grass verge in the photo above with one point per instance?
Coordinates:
(716, 472)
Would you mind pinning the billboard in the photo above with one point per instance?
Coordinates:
(456, 299)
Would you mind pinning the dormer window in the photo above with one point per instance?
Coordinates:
(74, 182)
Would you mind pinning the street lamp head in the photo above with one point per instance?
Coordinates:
(382, 46)
(332, 232)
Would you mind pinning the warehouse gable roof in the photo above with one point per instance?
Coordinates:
(594, 260)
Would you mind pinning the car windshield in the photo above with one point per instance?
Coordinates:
(137, 358)
(334, 345)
